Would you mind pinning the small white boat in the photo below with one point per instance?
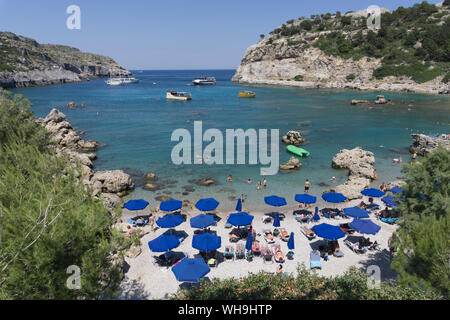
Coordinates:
(204, 81)
(117, 81)
(174, 95)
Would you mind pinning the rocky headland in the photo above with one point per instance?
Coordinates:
(361, 171)
(109, 186)
(24, 62)
(338, 51)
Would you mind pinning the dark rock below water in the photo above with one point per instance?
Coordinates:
(151, 176)
(139, 182)
(185, 193)
(400, 150)
(162, 198)
(133, 172)
(152, 186)
(188, 188)
(203, 182)
(323, 184)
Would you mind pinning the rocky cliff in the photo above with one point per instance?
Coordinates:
(338, 50)
(24, 62)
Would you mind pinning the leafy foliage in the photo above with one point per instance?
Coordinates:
(423, 252)
(303, 286)
(48, 221)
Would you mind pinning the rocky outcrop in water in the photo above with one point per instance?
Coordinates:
(106, 185)
(292, 164)
(361, 171)
(423, 144)
(26, 63)
(293, 137)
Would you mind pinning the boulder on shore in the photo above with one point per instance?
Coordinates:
(361, 171)
(423, 144)
(112, 181)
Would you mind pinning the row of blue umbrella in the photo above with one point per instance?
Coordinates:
(210, 204)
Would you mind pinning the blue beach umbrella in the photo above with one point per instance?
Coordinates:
(163, 243)
(328, 231)
(240, 219)
(305, 198)
(396, 190)
(169, 221)
(208, 204)
(316, 214)
(372, 192)
(334, 197)
(275, 201)
(276, 220)
(365, 226)
(134, 205)
(171, 205)
(239, 205)
(291, 242)
(356, 212)
(389, 201)
(206, 242)
(190, 270)
(249, 242)
(202, 221)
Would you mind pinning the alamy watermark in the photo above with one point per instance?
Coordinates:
(73, 22)
(373, 17)
(189, 151)
(74, 280)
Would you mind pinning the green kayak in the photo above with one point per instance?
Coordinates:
(297, 151)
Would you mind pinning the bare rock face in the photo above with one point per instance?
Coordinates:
(361, 171)
(292, 164)
(112, 181)
(381, 100)
(111, 201)
(293, 138)
(423, 144)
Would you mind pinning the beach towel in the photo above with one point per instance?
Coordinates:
(315, 262)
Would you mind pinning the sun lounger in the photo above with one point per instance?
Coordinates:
(229, 253)
(268, 236)
(256, 248)
(277, 253)
(267, 254)
(284, 234)
(389, 220)
(355, 247)
(308, 232)
(315, 262)
(240, 252)
(345, 227)
(168, 259)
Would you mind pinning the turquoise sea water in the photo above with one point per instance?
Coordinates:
(136, 122)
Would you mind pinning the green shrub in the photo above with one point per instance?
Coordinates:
(298, 77)
(302, 286)
(351, 77)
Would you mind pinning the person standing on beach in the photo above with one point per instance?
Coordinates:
(414, 156)
(151, 221)
(307, 184)
(375, 174)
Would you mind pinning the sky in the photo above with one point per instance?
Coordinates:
(169, 34)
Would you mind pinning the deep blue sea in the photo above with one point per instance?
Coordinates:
(135, 122)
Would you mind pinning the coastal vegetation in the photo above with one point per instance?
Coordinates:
(50, 226)
(411, 42)
(422, 240)
(302, 286)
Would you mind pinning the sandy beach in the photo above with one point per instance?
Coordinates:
(143, 279)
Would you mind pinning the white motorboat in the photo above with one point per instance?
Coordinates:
(117, 81)
(174, 95)
(204, 81)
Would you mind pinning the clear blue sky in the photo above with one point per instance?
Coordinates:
(169, 34)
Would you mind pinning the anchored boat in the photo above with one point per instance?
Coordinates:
(204, 81)
(174, 95)
(246, 94)
(297, 151)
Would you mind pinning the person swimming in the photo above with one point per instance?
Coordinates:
(230, 178)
